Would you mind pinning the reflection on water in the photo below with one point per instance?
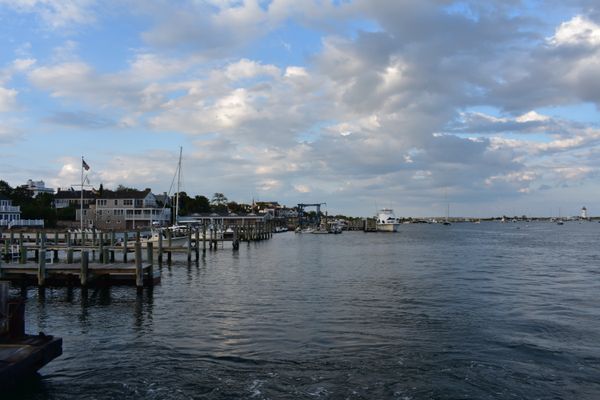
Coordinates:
(467, 311)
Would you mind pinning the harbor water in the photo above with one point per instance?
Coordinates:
(467, 311)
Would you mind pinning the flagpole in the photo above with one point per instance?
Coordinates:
(81, 195)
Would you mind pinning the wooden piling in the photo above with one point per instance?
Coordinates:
(197, 242)
(169, 245)
(150, 258)
(204, 237)
(139, 277)
(125, 247)
(84, 273)
(42, 268)
(160, 248)
(189, 244)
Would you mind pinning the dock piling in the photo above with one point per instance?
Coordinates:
(84, 273)
(139, 277)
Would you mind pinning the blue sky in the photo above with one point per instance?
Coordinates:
(491, 105)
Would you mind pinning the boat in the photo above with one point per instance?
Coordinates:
(387, 221)
(178, 234)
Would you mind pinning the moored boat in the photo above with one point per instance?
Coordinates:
(387, 221)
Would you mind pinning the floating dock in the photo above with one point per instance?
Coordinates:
(21, 355)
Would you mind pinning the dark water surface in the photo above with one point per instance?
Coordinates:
(489, 311)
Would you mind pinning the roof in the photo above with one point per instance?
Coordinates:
(124, 194)
(3, 197)
(74, 194)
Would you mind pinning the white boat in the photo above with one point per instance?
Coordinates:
(387, 221)
(178, 234)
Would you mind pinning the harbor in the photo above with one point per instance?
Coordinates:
(419, 313)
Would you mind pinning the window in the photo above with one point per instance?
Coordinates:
(127, 202)
(101, 202)
(116, 202)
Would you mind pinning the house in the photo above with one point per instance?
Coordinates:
(70, 197)
(124, 209)
(37, 187)
(10, 216)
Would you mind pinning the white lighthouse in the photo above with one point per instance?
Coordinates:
(584, 214)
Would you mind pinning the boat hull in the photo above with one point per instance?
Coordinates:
(393, 227)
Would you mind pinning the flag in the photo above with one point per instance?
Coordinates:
(84, 165)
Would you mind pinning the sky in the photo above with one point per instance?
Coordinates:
(488, 107)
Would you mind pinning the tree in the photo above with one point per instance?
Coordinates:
(219, 203)
(219, 199)
(123, 188)
(5, 188)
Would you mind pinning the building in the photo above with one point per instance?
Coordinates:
(584, 214)
(37, 187)
(10, 216)
(124, 209)
(70, 197)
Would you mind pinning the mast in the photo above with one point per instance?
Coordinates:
(81, 204)
(178, 185)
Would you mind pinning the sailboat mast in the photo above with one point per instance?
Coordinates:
(178, 186)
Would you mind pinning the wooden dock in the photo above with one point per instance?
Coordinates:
(21, 355)
(99, 258)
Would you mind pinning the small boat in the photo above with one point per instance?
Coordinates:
(387, 221)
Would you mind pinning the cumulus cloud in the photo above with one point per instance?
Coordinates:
(56, 13)
(387, 112)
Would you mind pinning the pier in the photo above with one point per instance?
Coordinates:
(107, 258)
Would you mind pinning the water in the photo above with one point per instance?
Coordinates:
(489, 311)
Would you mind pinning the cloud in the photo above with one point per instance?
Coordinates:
(56, 13)
(80, 120)
(8, 99)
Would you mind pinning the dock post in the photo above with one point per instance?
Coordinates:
(139, 277)
(204, 237)
(150, 260)
(68, 239)
(169, 244)
(42, 268)
(197, 241)
(4, 308)
(160, 249)
(189, 244)
(84, 273)
(70, 255)
(235, 243)
(101, 250)
(22, 253)
(125, 247)
(7, 247)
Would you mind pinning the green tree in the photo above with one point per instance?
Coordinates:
(5, 189)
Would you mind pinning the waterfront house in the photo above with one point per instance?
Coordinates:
(125, 209)
(37, 187)
(10, 216)
(70, 197)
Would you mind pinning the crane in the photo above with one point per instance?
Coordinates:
(301, 216)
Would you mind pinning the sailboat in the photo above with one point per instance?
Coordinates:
(446, 221)
(177, 233)
(559, 221)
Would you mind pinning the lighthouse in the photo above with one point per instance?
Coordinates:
(584, 214)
